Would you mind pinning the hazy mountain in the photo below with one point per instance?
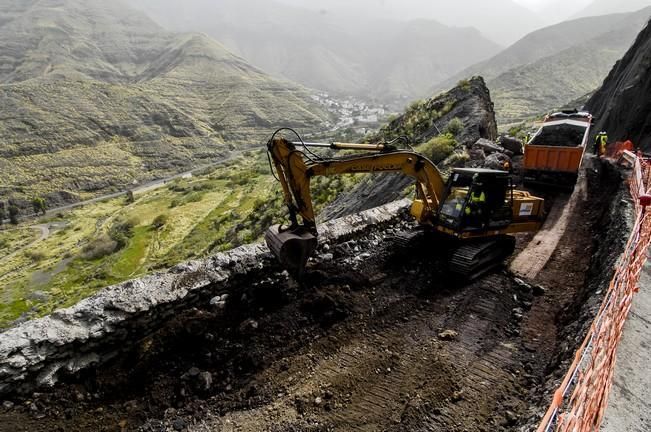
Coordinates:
(547, 42)
(603, 7)
(562, 10)
(554, 65)
(503, 21)
(96, 95)
(554, 80)
(331, 50)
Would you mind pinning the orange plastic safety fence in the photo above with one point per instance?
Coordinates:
(580, 402)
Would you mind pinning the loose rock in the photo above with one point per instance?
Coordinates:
(448, 335)
(179, 424)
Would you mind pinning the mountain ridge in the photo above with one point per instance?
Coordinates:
(381, 59)
(163, 102)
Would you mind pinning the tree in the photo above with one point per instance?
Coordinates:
(39, 205)
(13, 214)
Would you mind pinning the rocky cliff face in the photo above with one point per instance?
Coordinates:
(469, 102)
(622, 106)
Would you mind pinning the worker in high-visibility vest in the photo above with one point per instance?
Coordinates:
(603, 143)
(600, 142)
(475, 203)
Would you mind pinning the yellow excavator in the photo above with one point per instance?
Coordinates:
(476, 208)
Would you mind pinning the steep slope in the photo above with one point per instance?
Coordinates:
(553, 81)
(603, 7)
(96, 96)
(547, 42)
(470, 103)
(622, 105)
(343, 54)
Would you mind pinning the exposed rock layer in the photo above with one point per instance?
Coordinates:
(622, 106)
(470, 102)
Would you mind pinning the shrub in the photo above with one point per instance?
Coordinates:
(121, 232)
(160, 221)
(13, 214)
(455, 126)
(39, 206)
(181, 186)
(438, 148)
(35, 256)
(458, 159)
(193, 197)
(100, 247)
(464, 84)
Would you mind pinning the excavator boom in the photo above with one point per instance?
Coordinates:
(294, 244)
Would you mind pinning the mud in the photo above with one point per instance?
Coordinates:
(375, 338)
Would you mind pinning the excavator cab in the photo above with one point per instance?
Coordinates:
(477, 199)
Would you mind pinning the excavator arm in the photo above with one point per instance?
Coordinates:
(295, 168)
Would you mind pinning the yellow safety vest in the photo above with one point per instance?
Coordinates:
(602, 144)
(475, 199)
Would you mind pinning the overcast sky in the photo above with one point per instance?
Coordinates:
(535, 4)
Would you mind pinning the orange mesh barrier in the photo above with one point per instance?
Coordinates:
(580, 402)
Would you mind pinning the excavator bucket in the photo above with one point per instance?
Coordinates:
(292, 247)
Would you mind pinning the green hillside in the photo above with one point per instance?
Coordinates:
(96, 96)
(555, 80)
(554, 65)
(541, 43)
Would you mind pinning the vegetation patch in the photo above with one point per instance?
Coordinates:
(438, 148)
(118, 239)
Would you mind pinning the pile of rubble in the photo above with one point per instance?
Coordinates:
(495, 155)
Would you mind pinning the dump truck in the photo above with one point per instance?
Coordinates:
(553, 156)
(471, 214)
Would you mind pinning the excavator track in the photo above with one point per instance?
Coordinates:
(475, 259)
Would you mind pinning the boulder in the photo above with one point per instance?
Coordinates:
(490, 147)
(496, 161)
(512, 144)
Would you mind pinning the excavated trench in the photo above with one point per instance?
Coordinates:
(375, 339)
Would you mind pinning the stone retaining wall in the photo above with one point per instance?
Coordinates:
(36, 353)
